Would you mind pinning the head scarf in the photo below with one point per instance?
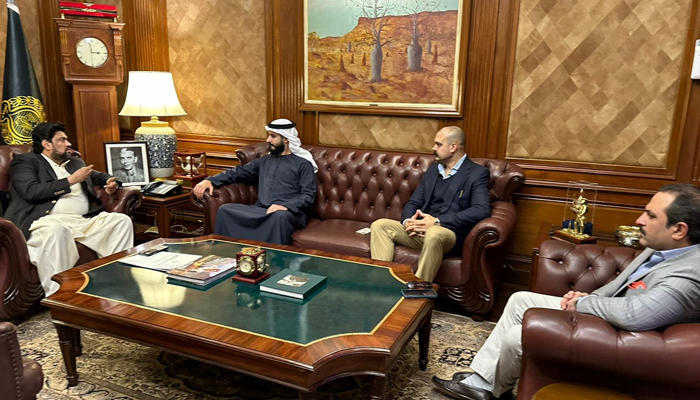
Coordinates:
(287, 129)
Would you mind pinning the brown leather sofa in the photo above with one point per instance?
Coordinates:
(19, 281)
(20, 377)
(562, 346)
(357, 187)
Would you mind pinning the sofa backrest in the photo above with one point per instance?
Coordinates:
(6, 154)
(365, 185)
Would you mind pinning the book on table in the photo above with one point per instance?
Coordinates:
(290, 283)
(205, 270)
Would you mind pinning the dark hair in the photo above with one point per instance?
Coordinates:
(45, 131)
(684, 208)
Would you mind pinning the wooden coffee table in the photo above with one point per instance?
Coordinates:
(357, 325)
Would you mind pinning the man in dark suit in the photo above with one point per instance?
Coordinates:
(54, 204)
(452, 197)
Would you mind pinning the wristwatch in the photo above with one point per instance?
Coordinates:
(437, 222)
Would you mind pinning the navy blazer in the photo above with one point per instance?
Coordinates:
(35, 188)
(467, 200)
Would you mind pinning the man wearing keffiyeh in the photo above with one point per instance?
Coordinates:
(286, 188)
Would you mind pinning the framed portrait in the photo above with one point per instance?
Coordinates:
(395, 57)
(128, 162)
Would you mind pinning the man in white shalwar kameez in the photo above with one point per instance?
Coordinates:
(54, 204)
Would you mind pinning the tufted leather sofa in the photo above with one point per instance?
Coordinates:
(357, 187)
(20, 377)
(19, 281)
(561, 346)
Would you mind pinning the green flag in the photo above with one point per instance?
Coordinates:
(22, 108)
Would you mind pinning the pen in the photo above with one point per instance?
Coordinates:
(460, 193)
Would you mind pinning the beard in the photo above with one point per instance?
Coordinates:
(56, 156)
(276, 150)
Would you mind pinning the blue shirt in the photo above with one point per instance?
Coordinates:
(441, 168)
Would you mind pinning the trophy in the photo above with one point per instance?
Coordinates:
(190, 167)
(580, 201)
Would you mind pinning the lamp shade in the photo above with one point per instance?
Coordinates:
(151, 93)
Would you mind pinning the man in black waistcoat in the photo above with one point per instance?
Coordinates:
(452, 197)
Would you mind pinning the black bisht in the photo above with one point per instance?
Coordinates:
(22, 107)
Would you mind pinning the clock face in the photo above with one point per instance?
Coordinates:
(246, 265)
(261, 263)
(92, 52)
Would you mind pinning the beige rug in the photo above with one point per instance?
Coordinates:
(113, 369)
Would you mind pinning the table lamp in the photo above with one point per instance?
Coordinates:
(152, 94)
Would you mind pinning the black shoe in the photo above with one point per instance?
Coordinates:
(460, 390)
(460, 376)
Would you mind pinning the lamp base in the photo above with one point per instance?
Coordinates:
(161, 141)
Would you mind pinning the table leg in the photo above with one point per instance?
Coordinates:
(423, 343)
(78, 344)
(67, 340)
(378, 387)
(163, 222)
(308, 395)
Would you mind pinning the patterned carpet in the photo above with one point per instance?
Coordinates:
(113, 369)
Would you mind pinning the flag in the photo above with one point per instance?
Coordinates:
(22, 107)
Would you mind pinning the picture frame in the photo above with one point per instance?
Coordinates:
(128, 162)
(420, 70)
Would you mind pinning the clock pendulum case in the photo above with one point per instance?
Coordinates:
(92, 59)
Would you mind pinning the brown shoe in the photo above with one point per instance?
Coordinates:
(460, 390)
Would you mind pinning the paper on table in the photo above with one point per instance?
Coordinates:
(163, 261)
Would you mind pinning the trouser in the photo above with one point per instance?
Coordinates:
(498, 360)
(437, 241)
(52, 246)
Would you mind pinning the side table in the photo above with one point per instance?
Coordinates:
(162, 210)
(573, 391)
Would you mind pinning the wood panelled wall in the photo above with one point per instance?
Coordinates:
(491, 61)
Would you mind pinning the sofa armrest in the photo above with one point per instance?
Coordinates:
(565, 266)
(20, 378)
(240, 193)
(572, 347)
(124, 200)
(19, 279)
(474, 285)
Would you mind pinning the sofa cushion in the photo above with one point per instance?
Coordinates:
(335, 236)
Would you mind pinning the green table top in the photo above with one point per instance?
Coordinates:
(357, 296)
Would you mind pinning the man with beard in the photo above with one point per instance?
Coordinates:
(54, 204)
(660, 287)
(130, 172)
(286, 181)
(451, 198)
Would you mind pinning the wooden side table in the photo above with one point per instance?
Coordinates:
(162, 209)
(573, 391)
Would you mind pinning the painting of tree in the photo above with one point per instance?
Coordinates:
(383, 53)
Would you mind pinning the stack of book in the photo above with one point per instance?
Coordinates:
(205, 271)
(298, 285)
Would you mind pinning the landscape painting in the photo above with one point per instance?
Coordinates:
(384, 54)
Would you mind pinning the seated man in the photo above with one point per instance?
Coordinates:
(130, 171)
(286, 181)
(452, 197)
(660, 287)
(54, 204)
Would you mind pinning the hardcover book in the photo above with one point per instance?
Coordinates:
(205, 270)
(290, 283)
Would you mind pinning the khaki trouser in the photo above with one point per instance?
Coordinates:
(437, 241)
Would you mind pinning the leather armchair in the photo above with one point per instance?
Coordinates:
(20, 377)
(19, 281)
(357, 187)
(562, 346)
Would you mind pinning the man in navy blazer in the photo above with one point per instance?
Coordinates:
(452, 197)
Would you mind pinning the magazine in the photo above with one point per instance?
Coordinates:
(204, 270)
